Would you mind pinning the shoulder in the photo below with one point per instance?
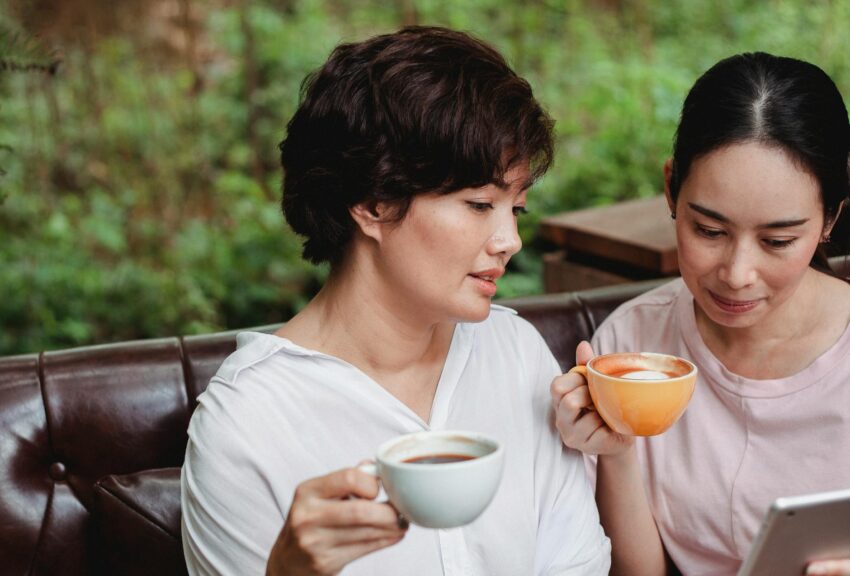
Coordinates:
(628, 324)
(506, 325)
(246, 384)
(657, 301)
(252, 349)
(510, 341)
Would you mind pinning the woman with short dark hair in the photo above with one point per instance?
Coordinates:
(405, 167)
(758, 177)
(396, 116)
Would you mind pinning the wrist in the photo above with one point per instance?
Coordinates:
(619, 459)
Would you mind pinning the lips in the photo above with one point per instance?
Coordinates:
(733, 306)
(485, 280)
(490, 275)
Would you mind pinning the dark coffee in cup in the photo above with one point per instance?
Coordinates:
(438, 459)
(434, 495)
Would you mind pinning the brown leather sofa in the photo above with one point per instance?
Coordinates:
(91, 441)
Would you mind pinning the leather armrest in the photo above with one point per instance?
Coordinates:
(137, 520)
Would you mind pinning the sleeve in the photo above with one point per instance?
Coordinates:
(570, 539)
(230, 518)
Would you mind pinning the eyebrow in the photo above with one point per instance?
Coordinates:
(526, 184)
(721, 218)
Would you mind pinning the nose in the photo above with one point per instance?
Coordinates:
(738, 270)
(505, 239)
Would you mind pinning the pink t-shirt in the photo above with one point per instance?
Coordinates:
(740, 444)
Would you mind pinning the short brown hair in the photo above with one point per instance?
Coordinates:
(424, 109)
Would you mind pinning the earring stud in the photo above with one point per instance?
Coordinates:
(673, 214)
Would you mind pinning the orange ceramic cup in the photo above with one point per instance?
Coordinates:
(639, 393)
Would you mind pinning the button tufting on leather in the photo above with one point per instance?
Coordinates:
(57, 471)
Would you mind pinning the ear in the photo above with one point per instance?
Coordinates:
(668, 173)
(368, 217)
(827, 227)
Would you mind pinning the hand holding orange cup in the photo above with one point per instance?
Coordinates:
(639, 393)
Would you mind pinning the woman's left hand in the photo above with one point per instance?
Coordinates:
(829, 567)
(579, 424)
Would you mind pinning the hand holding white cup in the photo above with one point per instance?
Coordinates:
(439, 479)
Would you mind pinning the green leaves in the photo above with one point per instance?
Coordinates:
(139, 186)
(21, 52)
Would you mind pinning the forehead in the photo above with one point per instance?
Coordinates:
(518, 177)
(751, 179)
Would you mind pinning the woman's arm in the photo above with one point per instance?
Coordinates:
(636, 547)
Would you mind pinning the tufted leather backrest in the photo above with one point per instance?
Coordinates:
(71, 417)
(67, 419)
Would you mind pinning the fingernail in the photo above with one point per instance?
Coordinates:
(403, 522)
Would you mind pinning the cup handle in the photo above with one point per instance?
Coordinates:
(582, 369)
(367, 468)
(372, 469)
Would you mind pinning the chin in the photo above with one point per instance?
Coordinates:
(477, 312)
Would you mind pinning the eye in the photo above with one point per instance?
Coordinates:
(708, 232)
(480, 206)
(520, 210)
(777, 243)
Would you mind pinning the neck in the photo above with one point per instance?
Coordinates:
(357, 318)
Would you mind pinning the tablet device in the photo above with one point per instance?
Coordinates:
(798, 530)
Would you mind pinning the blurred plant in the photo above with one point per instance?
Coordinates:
(19, 52)
(141, 176)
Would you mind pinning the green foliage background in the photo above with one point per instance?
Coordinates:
(139, 185)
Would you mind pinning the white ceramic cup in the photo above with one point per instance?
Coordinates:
(439, 495)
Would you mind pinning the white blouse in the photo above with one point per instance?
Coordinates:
(277, 414)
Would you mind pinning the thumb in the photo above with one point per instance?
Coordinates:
(584, 352)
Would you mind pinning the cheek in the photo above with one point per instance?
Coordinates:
(454, 239)
(430, 234)
(694, 256)
(792, 269)
(440, 252)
